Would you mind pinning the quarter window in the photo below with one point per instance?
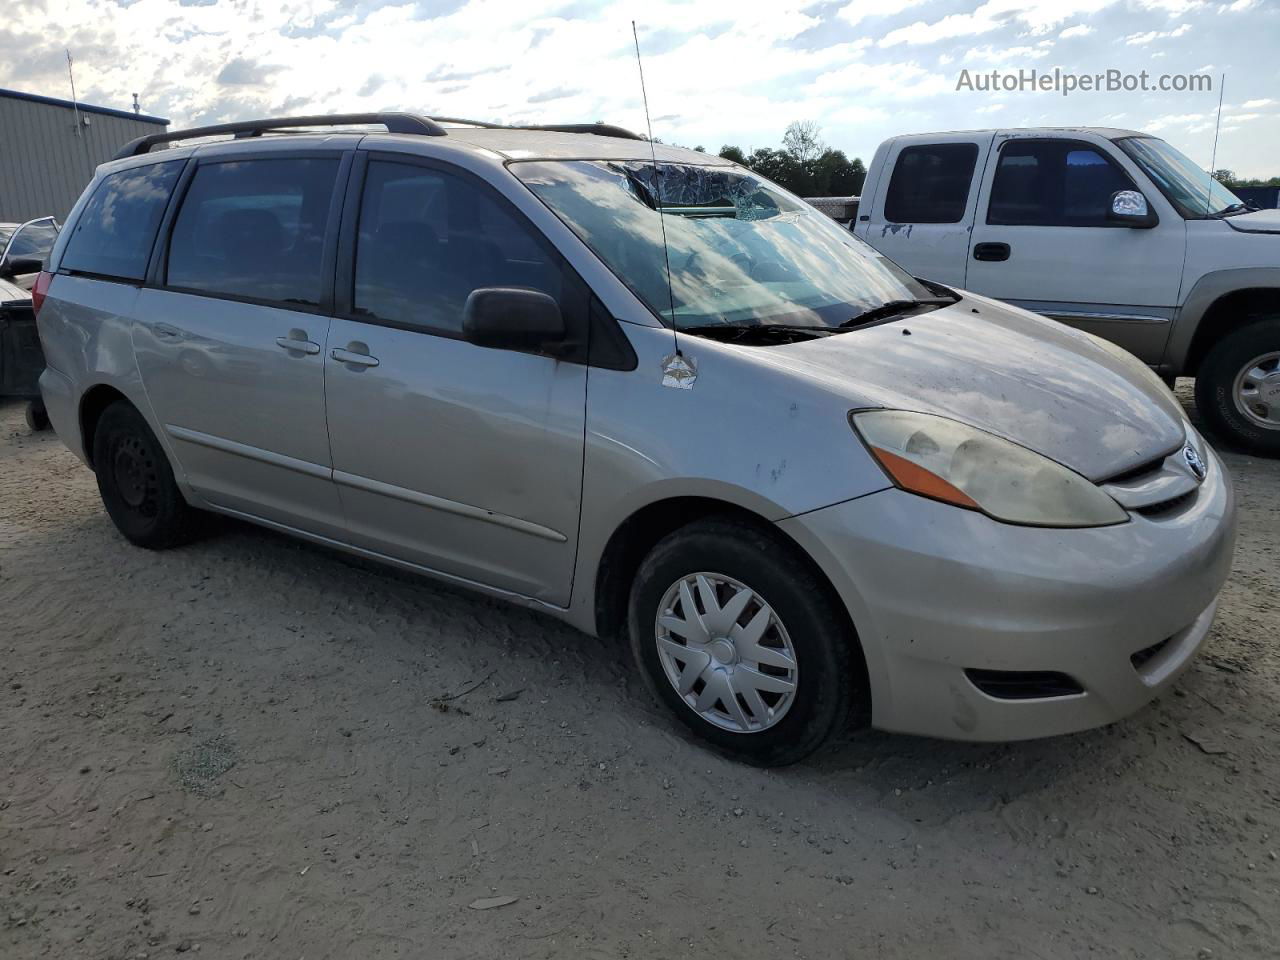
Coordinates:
(255, 229)
(1054, 184)
(113, 235)
(427, 238)
(930, 183)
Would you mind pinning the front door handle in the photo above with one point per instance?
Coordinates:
(355, 355)
(991, 251)
(297, 341)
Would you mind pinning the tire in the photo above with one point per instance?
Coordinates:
(37, 416)
(1216, 387)
(136, 482)
(828, 667)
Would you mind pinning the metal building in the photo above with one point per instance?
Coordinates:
(46, 157)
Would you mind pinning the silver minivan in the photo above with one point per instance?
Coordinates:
(648, 392)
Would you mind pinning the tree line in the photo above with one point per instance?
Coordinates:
(804, 164)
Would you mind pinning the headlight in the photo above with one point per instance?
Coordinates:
(962, 465)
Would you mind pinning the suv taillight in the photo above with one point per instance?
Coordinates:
(39, 289)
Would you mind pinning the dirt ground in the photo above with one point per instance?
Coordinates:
(255, 748)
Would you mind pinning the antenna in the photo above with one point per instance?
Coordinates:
(657, 194)
(75, 105)
(1213, 159)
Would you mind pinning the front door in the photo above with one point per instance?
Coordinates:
(230, 341)
(455, 457)
(1042, 241)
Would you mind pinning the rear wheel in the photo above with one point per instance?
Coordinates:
(736, 634)
(136, 482)
(1238, 387)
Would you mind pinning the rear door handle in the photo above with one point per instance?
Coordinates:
(297, 341)
(355, 355)
(166, 331)
(991, 251)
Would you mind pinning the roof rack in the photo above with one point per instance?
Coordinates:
(599, 129)
(394, 122)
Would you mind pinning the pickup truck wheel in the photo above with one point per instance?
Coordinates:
(742, 642)
(1238, 388)
(137, 485)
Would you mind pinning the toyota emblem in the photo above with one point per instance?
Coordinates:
(1194, 461)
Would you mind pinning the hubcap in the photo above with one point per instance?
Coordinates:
(726, 653)
(1257, 390)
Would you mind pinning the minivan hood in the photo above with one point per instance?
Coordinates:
(1258, 221)
(1060, 392)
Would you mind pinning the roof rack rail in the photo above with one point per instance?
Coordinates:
(599, 129)
(394, 122)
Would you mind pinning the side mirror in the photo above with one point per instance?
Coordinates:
(20, 266)
(1129, 208)
(514, 318)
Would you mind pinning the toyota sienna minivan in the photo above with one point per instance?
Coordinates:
(648, 392)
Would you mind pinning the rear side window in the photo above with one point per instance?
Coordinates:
(930, 183)
(255, 229)
(113, 235)
(1054, 183)
(427, 238)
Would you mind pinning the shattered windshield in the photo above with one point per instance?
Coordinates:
(1190, 189)
(740, 250)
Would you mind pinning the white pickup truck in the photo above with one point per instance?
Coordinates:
(1111, 231)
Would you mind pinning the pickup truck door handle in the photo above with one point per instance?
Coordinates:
(355, 355)
(166, 331)
(297, 341)
(991, 251)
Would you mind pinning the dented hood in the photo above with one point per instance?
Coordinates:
(1077, 400)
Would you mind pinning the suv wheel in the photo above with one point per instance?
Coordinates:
(735, 634)
(1238, 387)
(136, 482)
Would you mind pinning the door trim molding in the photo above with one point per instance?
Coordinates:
(417, 498)
(1109, 317)
(249, 452)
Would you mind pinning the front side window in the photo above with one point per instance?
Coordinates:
(255, 229)
(1189, 188)
(1054, 183)
(740, 250)
(930, 183)
(114, 234)
(428, 237)
(33, 240)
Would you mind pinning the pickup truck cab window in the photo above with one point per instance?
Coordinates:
(1054, 183)
(930, 183)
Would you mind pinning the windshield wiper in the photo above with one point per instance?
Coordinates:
(732, 332)
(1234, 208)
(895, 307)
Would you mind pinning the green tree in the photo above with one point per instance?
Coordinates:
(734, 154)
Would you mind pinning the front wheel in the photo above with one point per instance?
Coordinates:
(1238, 388)
(738, 636)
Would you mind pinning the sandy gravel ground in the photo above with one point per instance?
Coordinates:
(254, 748)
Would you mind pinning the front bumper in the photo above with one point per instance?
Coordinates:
(934, 591)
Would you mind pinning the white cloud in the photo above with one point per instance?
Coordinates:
(855, 11)
(1142, 39)
(1079, 30)
(1256, 104)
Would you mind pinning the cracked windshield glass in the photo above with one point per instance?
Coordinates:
(741, 252)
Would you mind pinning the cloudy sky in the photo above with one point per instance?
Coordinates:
(718, 71)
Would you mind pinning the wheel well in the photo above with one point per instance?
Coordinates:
(95, 400)
(1231, 310)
